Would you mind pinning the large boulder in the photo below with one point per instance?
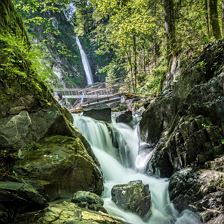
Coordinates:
(201, 191)
(61, 165)
(67, 212)
(134, 197)
(22, 127)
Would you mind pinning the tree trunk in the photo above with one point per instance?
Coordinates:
(222, 18)
(214, 20)
(131, 69)
(135, 61)
(207, 17)
(170, 27)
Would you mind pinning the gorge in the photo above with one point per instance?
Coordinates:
(164, 166)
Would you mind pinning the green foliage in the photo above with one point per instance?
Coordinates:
(201, 65)
(129, 33)
(27, 60)
(134, 30)
(222, 141)
(54, 35)
(153, 82)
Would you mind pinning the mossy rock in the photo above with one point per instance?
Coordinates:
(60, 164)
(134, 197)
(67, 213)
(85, 199)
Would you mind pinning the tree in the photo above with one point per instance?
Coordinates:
(170, 27)
(222, 18)
(214, 19)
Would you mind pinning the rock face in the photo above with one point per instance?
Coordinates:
(200, 190)
(186, 121)
(134, 197)
(185, 124)
(42, 156)
(67, 212)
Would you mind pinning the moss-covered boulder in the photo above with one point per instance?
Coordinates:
(67, 212)
(134, 197)
(61, 165)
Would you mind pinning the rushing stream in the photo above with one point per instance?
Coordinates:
(119, 166)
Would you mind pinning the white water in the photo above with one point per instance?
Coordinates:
(116, 171)
(69, 13)
(85, 62)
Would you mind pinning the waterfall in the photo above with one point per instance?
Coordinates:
(85, 62)
(116, 171)
(69, 13)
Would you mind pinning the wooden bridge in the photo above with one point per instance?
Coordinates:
(97, 94)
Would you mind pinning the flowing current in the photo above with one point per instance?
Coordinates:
(116, 146)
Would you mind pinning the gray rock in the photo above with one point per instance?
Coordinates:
(217, 220)
(125, 117)
(200, 191)
(134, 197)
(101, 113)
(15, 130)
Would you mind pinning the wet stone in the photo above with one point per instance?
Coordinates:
(134, 197)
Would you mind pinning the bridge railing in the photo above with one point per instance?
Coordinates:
(95, 92)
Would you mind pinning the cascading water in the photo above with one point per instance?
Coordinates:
(85, 62)
(69, 13)
(117, 170)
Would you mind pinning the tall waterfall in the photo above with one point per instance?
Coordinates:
(69, 13)
(85, 62)
(116, 171)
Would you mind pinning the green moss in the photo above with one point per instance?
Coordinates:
(10, 22)
(17, 74)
